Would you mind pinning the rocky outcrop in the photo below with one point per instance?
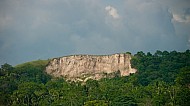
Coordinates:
(84, 67)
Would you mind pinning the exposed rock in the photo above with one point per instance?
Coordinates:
(84, 67)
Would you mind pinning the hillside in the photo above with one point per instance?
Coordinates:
(162, 79)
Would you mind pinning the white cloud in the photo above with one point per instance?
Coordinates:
(181, 18)
(112, 12)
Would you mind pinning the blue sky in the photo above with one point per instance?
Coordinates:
(42, 29)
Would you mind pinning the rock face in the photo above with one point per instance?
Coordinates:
(84, 67)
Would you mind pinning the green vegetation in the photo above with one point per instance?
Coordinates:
(163, 79)
(38, 63)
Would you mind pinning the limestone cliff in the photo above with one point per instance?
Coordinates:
(84, 67)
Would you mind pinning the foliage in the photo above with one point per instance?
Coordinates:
(160, 66)
(96, 103)
(13, 77)
(162, 80)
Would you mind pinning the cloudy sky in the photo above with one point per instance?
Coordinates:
(42, 29)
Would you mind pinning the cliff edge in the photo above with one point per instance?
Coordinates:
(84, 67)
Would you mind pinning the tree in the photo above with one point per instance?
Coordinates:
(28, 93)
(183, 78)
(5, 68)
(124, 100)
(158, 53)
(96, 103)
(140, 54)
(183, 81)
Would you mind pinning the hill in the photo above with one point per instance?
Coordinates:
(163, 78)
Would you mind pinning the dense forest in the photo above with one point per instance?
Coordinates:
(163, 79)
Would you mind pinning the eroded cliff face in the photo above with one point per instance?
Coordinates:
(84, 67)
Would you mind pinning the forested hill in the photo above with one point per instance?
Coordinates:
(163, 79)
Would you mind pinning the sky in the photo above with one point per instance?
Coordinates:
(44, 29)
